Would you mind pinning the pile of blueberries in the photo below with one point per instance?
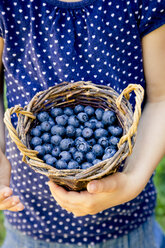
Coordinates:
(75, 138)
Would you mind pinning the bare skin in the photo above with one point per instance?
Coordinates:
(8, 201)
(148, 151)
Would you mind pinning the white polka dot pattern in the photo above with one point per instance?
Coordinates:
(50, 42)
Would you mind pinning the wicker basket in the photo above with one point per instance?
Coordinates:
(71, 94)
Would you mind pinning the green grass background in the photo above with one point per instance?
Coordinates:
(159, 180)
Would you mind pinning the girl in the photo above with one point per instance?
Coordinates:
(107, 42)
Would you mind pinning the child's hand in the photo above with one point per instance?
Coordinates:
(7, 200)
(102, 194)
(122, 187)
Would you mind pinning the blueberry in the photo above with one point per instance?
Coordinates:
(62, 120)
(51, 121)
(40, 149)
(43, 116)
(97, 150)
(83, 147)
(79, 140)
(55, 140)
(103, 141)
(56, 112)
(111, 152)
(51, 161)
(72, 142)
(48, 148)
(36, 131)
(78, 156)
(46, 137)
(79, 108)
(56, 151)
(82, 117)
(90, 157)
(94, 122)
(111, 149)
(91, 124)
(70, 131)
(66, 144)
(86, 165)
(72, 150)
(72, 120)
(99, 124)
(93, 119)
(115, 130)
(78, 132)
(58, 130)
(35, 141)
(109, 117)
(68, 111)
(61, 164)
(73, 165)
(96, 161)
(46, 156)
(89, 110)
(45, 126)
(107, 155)
(87, 132)
(100, 132)
(64, 155)
(91, 142)
(81, 126)
(88, 124)
(114, 140)
(39, 127)
(99, 113)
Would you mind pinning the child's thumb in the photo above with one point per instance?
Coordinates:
(107, 184)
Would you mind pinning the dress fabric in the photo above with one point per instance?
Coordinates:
(47, 42)
(147, 235)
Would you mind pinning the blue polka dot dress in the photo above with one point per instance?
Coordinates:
(47, 42)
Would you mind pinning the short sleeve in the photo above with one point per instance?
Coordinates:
(1, 27)
(1, 33)
(152, 15)
(2, 21)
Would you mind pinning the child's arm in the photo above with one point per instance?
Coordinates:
(149, 148)
(7, 200)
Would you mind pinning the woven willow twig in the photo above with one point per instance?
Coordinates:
(13, 133)
(71, 94)
(138, 89)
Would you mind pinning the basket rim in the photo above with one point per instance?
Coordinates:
(67, 92)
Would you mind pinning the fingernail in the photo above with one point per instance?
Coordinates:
(92, 187)
(6, 194)
(20, 207)
(13, 203)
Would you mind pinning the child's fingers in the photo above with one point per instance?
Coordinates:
(17, 207)
(5, 192)
(9, 202)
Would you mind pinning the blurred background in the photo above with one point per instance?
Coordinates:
(160, 209)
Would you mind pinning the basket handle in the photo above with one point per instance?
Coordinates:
(13, 133)
(139, 92)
